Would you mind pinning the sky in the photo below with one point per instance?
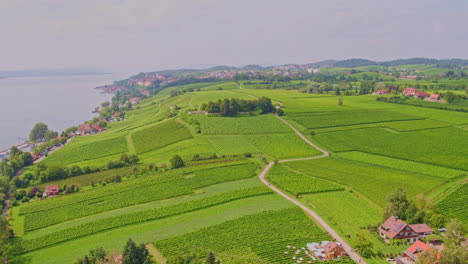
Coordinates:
(145, 35)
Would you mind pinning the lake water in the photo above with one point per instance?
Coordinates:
(60, 102)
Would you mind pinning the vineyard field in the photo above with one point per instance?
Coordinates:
(405, 165)
(299, 184)
(262, 124)
(251, 234)
(374, 182)
(431, 146)
(84, 148)
(150, 231)
(346, 118)
(159, 136)
(454, 204)
(128, 193)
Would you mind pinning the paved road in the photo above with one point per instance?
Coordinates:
(307, 210)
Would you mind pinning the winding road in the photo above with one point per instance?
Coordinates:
(318, 219)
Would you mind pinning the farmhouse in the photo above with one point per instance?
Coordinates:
(434, 97)
(134, 100)
(410, 91)
(421, 95)
(50, 190)
(327, 250)
(85, 129)
(145, 93)
(410, 256)
(395, 228)
(381, 92)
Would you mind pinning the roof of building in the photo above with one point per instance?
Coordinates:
(51, 188)
(393, 226)
(421, 228)
(418, 247)
(96, 127)
(435, 96)
(84, 127)
(330, 246)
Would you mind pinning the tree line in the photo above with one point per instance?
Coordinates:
(233, 106)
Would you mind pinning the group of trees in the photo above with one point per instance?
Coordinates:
(231, 107)
(17, 159)
(132, 254)
(125, 160)
(421, 210)
(41, 133)
(44, 173)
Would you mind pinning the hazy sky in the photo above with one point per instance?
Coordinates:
(142, 35)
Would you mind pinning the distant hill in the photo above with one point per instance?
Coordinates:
(352, 63)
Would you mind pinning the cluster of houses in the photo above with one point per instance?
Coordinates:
(411, 92)
(395, 228)
(85, 129)
(325, 250)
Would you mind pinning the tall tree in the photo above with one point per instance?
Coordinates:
(363, 246)
(177, 162)
(397, 204)
(225, 108)
(210, 259)
(38, 132)
(134, 254)
(454, 251)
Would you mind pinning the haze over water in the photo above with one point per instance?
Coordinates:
(60, 102)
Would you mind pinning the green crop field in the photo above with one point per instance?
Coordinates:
(299, 184)
(262, 124)
(54, 211)
(346, 118)
(454, 204)
(405, 165)
(199, 98)
(397, 126)
(249, 239)
(87, 179)
(87, 148)
(433, 146)
(374, 182)
(159, 136)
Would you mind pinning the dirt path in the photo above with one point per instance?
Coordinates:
(131, 147)
(158, 256)
(6, 203)
(307, 210)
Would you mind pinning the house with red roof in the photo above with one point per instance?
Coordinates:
(50, 191)
(96, 128)
(421, 95)
(411, 255)
(134, 100)
(410, 91)
(381, 92)
(145, 93)
(434, 97)
(334, 250)
(395, 228)
(84, 129)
